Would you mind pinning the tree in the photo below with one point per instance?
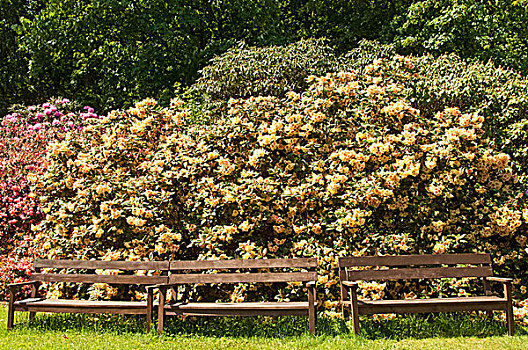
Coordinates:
(485, 30)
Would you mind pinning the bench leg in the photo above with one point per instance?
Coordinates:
(11, 310)
(344, 311)
(161, 309)
(354, 310)
(344, 308)
(311, 309)
(150, 298)
(509, 309)
(33, 295)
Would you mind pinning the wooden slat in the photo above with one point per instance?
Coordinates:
(432, 301)
(239, 309)
(240, 306)
(235, 312)
(486, 303)
(417, 273)
(84, 303)
(83, 306)
(28, 300)
(91, 278)
(405, 260)
(76, 310)
(243, 277)
(101, 264)
(242, 264)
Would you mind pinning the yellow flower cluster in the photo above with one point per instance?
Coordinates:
(505, 221)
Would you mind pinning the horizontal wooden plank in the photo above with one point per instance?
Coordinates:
(241, 306)
(419, 273)
(235, 312)
(500, 279)
(92, 278)
(243, 277)
(102, 264)
(419, 259)
(242, 264)
(240, 309)
(28, 300)
(83, 303)
(486, 303)
(448, 300)
(76, 310)
(83, 306)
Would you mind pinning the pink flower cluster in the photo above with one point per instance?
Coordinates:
(51, 115)
(13, 270)
(24, 136)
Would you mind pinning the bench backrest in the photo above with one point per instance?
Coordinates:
(414, 267)
(214, 271)
(90, 275)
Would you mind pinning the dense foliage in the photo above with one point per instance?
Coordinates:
(111, 53)
(24, 136)
(341, 168)
(14, 85)
(485, 30)
(267, 71)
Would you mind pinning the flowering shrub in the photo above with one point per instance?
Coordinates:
(24, 136)
(346, 167)
(496, 93)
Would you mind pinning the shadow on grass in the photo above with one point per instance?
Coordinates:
(401, 327)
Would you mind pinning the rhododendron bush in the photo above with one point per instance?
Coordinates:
(24, 136)
(347, 167)
(498, 94)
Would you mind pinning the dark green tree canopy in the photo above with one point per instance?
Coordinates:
(111, 53)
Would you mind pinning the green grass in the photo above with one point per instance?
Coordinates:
(443, 331)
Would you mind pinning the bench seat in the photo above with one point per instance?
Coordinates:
(81, 306)
(484, 303)
(239, 309)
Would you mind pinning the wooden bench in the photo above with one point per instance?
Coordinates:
(83, 271)
(421, 267)
(215, 273)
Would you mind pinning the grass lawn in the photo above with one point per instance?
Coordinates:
(451, 331)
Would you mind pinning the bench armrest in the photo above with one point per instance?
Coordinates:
(500, 279)
(349, 284)
(14, 286)
(310, 284)
(156, 286)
